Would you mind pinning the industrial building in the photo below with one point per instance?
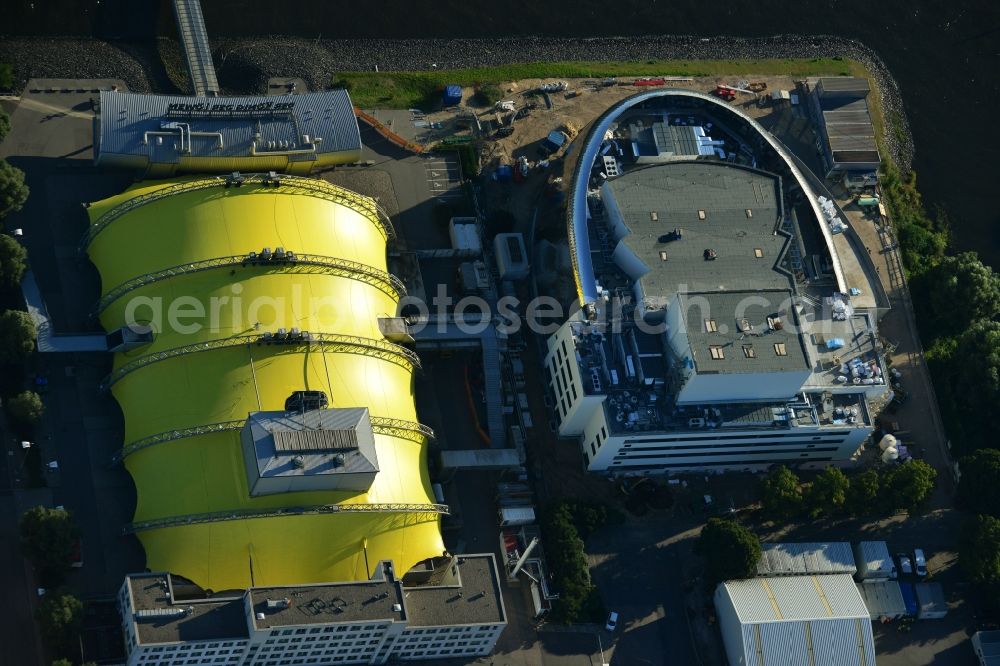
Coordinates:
(805, 559)
(847, 135)
(164, 135)
(715, 329)
(794, 620)
(986, 645)
(271, 431)
(458, 614)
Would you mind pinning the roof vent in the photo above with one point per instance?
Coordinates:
(710, 255)
(701, 215)
(397, 608)
(278, 604)
(260, 616)
(298, 462)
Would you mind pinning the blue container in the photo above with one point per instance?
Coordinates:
(452, 95)
(909, 598)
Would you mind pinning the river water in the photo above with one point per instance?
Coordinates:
(945, 56)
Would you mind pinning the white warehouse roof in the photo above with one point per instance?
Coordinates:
(794, 620)
(795, 559)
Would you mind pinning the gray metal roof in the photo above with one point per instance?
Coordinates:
(798, 620)
(882, 598)
(845, 83)
(876, 555)
(806, 558)
(745, 340)
(987, 644)
(226, 127)
(678, 195)
(848, 130)
(316, 439)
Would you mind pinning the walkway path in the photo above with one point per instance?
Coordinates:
(194, 39)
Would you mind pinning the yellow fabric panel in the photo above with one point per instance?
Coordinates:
(209, 308)
(212, 223)
(308, 548)
(206, 473)
(221, 385)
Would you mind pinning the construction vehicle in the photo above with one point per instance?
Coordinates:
(724, 92)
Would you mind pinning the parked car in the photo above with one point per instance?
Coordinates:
(612, 623)
(919, 562)
(905, 566)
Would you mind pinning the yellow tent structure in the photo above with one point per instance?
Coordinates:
(173, 254)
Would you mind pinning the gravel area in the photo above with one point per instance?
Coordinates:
(244, 65)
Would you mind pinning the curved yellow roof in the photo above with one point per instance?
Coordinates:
(162, 232)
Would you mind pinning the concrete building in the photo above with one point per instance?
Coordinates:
(164, 135)
(794, 620)
(457, 612)
(717, 333)
(847, 135)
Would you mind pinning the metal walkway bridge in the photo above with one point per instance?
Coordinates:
(194, 40)
(250, 514)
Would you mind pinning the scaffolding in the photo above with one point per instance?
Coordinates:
(295, 263)
(251, 514)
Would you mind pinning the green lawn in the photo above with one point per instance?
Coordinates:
(401, 90)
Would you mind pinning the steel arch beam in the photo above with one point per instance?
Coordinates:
(259, 184)
(399, 428)
(334, 343)
(250, 514)
(302, 263)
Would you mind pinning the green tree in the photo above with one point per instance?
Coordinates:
(17, 336)
(13, 261)
(973, 377)
(13, 191)
(979, 488)
(907, 486)
(979, 549)
(862, 495)
(959, 291)
(780, 493)
(728, 551)
(4, 124)
(26, 408)
(568, 563)
(827, 494)
(47, 537)
(60, 616)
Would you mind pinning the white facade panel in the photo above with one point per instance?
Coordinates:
(702, 388)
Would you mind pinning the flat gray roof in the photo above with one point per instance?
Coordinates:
(747, 249)
(158, 620)
(226, 127)
(472, 596)
(845, 83)
(327, 603)
(747, 342)
(848, 128)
